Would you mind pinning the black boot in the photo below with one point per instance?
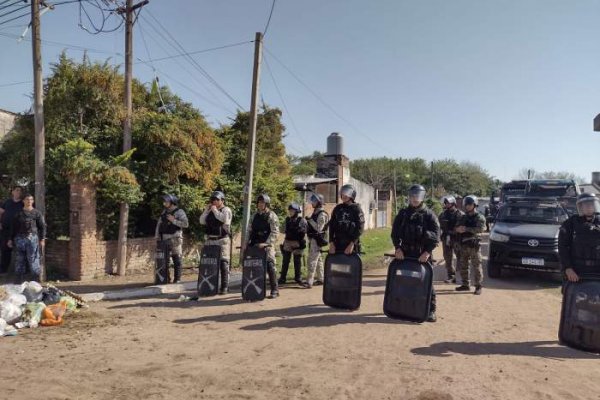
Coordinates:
(224, 277)
(177, 269)
(285, 265)
(298, 268)
(272, 280)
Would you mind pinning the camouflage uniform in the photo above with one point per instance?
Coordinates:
(317, 223)
(224, 216)
(469, 247)
(448, 219)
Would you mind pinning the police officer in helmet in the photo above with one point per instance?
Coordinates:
(170, 227)
(294, 243)
(448, 219)
(217, 219)
(416, 233)
(347, 224)
(263, 232)
(579, 240)
(469, 229)
(318, 223)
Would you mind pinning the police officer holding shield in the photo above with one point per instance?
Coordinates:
(448, 219)
(170, 227)
(579, 240)
(293, 244)
(263, 232)
(347, 224)
(217, 219)
(416, 233)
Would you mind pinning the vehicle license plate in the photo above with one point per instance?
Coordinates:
(532, 261)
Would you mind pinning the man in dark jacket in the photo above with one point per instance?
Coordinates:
(448, 219)
(416, 233)
(347, 224)
(8, 210)
(293, 244)
(579, 240)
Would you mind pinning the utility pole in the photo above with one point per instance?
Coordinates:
(432, 179)
(124, 209)
(38, 112)
(395, 194)
(252, 138)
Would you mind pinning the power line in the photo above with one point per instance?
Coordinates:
(65, 45)
(14, 83)
(269, 20)
(15, 18)
(285, 107)
(333, 110)
(14, 11)
(9, 5)
(193, 61)
(201, 51)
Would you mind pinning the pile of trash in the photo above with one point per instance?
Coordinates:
(30, 305)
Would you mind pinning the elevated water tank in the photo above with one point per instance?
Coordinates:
(335, 144)
(596, 177)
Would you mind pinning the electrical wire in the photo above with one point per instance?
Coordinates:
(269, 20)
(201, 51)
(9, 5)
(14, 83)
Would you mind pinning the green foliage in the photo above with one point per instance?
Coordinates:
(305, 165)
(435, 205)
(76, 160)
(119, 185)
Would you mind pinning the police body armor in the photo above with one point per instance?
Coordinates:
(208, 270)
(166, 227)
(347, 225)
(312, 233)
(408, 290)
(585, 252)
(215, 228)
(292, 229)
(343, 281)
(469, 239)
(254, 274)
(413, 233)
(261, 229)
(448, 222)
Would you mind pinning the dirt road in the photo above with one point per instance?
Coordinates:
(500, 345)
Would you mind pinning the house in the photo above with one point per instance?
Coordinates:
(333, 171)
(7, 122)
(593, 187)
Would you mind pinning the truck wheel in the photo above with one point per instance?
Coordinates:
(494, 270)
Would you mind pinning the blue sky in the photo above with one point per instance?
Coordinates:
(506, 84)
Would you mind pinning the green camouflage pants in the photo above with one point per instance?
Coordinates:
(450, 250)
(472, 254)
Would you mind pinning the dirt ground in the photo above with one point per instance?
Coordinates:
(500, 345)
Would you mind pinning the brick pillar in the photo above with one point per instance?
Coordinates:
(82, 228)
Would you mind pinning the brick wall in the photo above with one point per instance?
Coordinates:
(57, 255)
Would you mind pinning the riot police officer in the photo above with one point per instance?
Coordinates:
(317, 234)
(416, 233)
(217, 219)
(469, 229)
(579, 239)
(347, 224)
(170, 227)
(293, 244)
(263, 232)
(448, 219)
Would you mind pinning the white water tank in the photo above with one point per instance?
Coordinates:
(335, 144)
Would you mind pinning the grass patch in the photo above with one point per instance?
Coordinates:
(376, 242)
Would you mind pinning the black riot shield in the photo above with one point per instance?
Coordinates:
(162, 256)
(580, 315)
(408, 290)
(254, 274)
(343, 281)
(208, 271)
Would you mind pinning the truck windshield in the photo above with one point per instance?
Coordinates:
(533, 213)
(552, 190)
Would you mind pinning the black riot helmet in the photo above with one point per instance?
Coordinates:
(217, 195)
(417, 192)
(295, 207)
(587, 205)
(317, 198)
(264, 198)
(348, 190)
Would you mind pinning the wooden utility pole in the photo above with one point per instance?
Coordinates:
(432, 179)
(38, 119)
(252, 136)
(124, 209)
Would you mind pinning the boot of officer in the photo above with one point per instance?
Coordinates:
(415, 234)
(578, 239)
(263, 233)
(294, 242)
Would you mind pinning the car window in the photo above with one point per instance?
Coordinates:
(533, 213)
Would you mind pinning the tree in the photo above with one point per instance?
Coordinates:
(305, 165)
(533, 174)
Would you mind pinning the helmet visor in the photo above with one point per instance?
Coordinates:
(348, 192)
(588, 207)
(416, 195)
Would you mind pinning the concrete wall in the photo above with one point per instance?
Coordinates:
(7, 121)
(365, 196)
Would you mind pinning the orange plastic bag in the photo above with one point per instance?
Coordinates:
(52, 314)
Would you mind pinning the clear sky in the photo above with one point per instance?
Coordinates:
(507, 84)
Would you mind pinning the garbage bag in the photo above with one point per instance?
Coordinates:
(17, 299)
(70, 303)
(51, 295)
(6, 329)
(52, 314)
(10, 312)
(13, 289)
(32, 314)
(33, 291)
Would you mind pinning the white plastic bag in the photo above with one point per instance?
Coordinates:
(17, 299)
(33, 291)
(32, 314)
(6, 329)
(10, 312)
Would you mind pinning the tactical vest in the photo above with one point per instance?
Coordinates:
(585, 249)
(346, 228)
(412, 230)
(448, 221)
(166, 227)
(261, 229)
(216, 228)
(311, 232)
(292, 229)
